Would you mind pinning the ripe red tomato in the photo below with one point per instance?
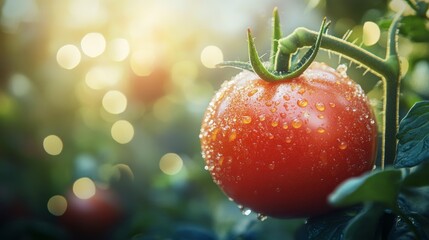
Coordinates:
(280, 148)
(95, 216)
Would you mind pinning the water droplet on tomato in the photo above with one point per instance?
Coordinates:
(288, 139)
(251, 93)
(262, 217)
(245, 211)
(273, 110)
(321, 130)
(302, 102)
(270, 135)
(262, 117)
(268, 103)
(320, 106)
(343, 145)
(332, 104)
(342, 70)
(320, 116)
(372, 122)
(274, 123)
(296, 123)
(271, 166)
(232, 136)
(301, 90)
(246, 119)
(286, 97)
(285, 126)
(283, 115)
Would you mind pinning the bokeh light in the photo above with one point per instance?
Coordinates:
(19, 84)
(142, 62)
(119, 49)
(371, 33)
(93, 44)
(84, 188)
(100, 77)
(211, 56)
(114, 102)
(122, 131)
(171, 163)
(53, 144)
(68, 56)
(57, 205)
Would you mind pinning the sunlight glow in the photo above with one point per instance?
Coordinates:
(210, 56)
(93, 44)
(114, 102)
(122, 131)
(57, 205)
(171, 163)
(119, 49)
(53, 145)
(371, 33)
(68, 56)
(84, 188)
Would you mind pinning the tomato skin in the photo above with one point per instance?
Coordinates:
(281, 148)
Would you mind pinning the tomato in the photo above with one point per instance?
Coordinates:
(95, 216)
(280, 148)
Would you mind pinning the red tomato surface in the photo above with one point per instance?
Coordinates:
(281, 148)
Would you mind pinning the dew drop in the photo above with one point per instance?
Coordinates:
(270, 135)
(296, 123)
(283, 115)
(301, 90)
(285, 126)
(321, 130)
(320, 106)
(308, 130)
(273, 110)
(271, 166)
(343, 145)
(372, 122)
(286, 97)
(342, 70)
(348, 96)
(251, 93)
(245, 211)
(288, 139)
(246, 119)
(262, 117)
(262, 217)
(332, 104)
(214, 134)
(320, 116)
(302, 102)
(274, 123)
(268, 103)
(232, 136)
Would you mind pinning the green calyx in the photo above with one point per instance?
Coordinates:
(283, 63)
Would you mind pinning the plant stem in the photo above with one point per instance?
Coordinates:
(387, 69)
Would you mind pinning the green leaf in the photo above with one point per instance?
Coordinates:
(401, 229)
(367, 219)
(330, 226)
(412, 27)
(413, 136)
(377, 186)
(419, 177)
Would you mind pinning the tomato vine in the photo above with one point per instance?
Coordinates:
(391, 195)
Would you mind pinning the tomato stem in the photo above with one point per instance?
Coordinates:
(277, 34)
